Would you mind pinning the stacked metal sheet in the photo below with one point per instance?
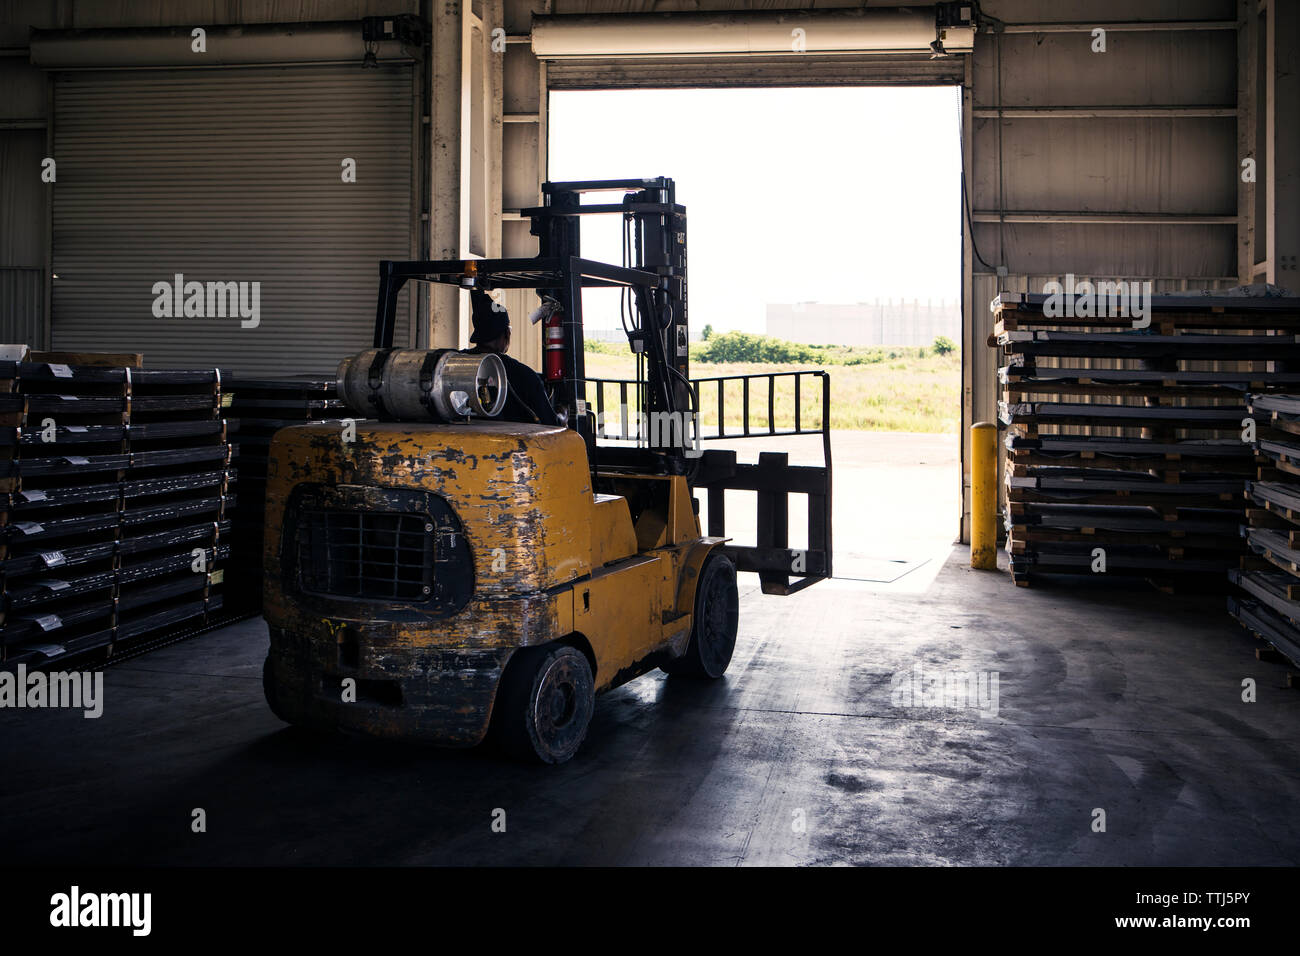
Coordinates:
(263, 407)
(1127, 454)
(1269, 601)
(116, 489)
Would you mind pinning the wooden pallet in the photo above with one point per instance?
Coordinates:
(1020, 311)
(1267, 624)
(1168, 465)
(1276, 498)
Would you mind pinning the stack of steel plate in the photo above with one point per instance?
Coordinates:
(1269, 602)
(263, 407)
(1127, 453)
(115, 491)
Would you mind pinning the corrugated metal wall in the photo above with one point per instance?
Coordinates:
(1061, 135)
(22, 306)
(229, 176)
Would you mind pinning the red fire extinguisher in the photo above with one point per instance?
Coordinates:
(553, 340)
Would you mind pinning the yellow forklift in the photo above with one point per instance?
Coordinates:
(434, 573)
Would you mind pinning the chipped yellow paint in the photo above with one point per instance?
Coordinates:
(612, 536)
(500, 478)
(551, 562)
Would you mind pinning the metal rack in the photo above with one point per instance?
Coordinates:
(116, 494)
(263, 407)
(1126, 442)
(1269, 605)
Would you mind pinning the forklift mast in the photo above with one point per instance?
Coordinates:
(654, 229)
(653, 284)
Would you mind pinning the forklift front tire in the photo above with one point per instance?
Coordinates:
(717, 615)
(544, 704)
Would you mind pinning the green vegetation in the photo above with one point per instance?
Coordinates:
(872, 389)
(605, 348)
(734, 347)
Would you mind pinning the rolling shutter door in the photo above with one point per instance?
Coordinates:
(754, 71)
(22, 237)
(224, 176)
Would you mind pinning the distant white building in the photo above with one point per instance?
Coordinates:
(887, 322)
(605, 335)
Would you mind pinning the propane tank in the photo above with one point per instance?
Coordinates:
(399, 385)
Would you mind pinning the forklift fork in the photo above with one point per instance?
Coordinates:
(781, 569)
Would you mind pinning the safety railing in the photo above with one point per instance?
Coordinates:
(796, 403)
(788, 410)
(797, 418)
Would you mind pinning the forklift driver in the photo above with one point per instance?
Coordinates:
(526, 401)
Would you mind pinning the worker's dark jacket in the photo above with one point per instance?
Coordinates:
(526, 401)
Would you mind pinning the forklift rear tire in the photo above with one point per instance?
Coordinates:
(544, 704)
(717, 615)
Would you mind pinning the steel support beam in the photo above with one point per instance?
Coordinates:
(972, 319)
(1127, 26)
(523, 160)
(446, 227)
(1110, 218)
(1105, 112)
(1283, 166)
(1247, 124)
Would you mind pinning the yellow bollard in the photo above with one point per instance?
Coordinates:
(984, 496)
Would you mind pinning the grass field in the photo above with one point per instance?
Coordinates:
(910, 394)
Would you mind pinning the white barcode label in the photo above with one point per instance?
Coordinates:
(54, 584)
(50, 622)
(61, 371)
(78, 429)
(69, 398)
(33, 495)
(53, 559)
(29, 527)
(76, 460)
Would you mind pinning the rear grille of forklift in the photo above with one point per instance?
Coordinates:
(374, 555)
(397, 549)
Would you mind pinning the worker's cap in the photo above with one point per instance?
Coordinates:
(491, 320)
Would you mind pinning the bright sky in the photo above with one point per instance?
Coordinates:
(792, 195)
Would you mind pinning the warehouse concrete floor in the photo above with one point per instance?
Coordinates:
(804, 754)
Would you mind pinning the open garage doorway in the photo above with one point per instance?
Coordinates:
(824, 232)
